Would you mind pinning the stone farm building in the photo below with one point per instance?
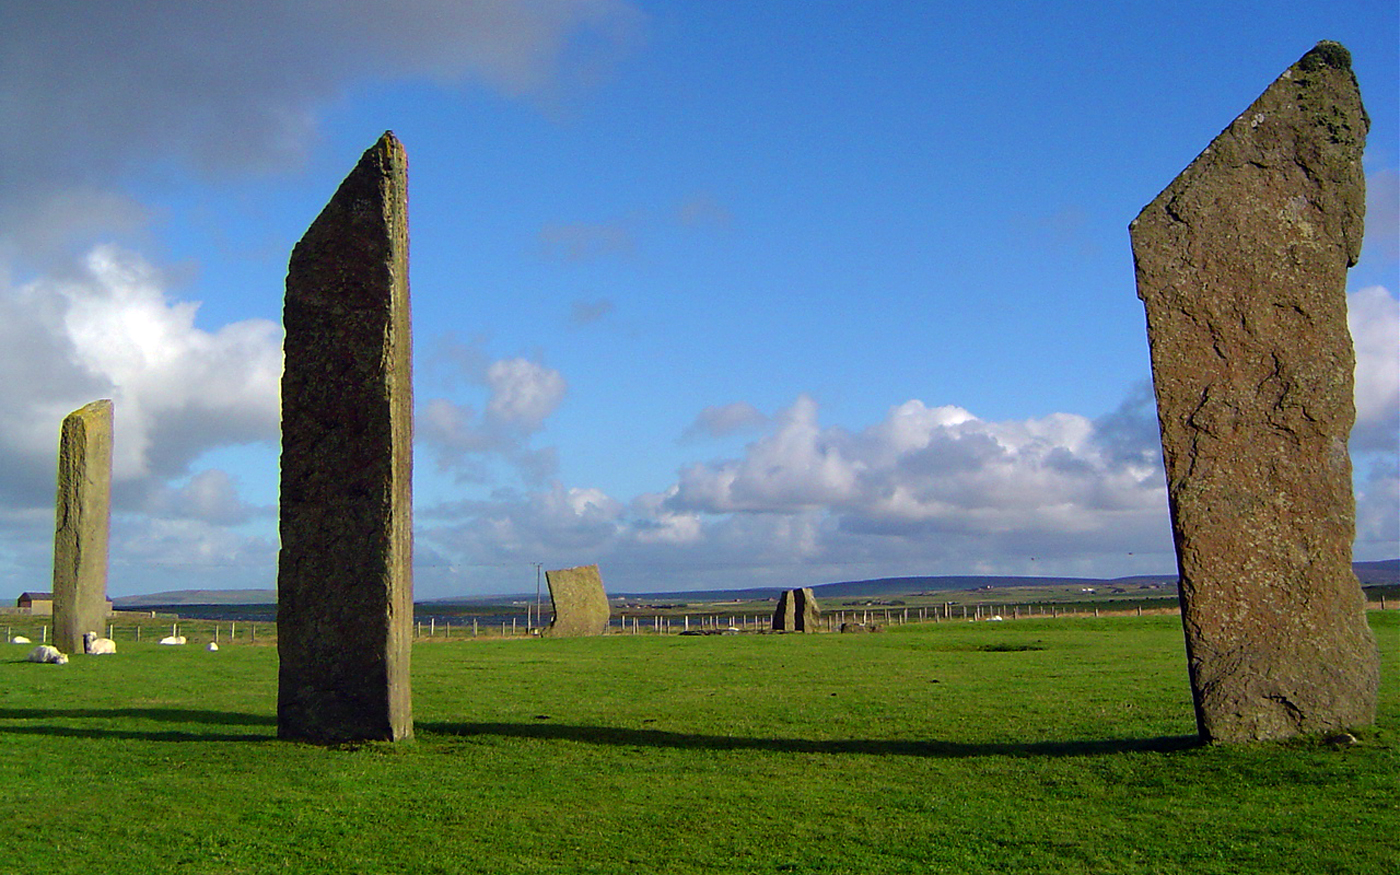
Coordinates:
(41, 603)
(35, 602)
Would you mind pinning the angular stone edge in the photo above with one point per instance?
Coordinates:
(82, 525)
(1226, 689)
(377, 190)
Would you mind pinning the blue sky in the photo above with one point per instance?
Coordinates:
(712, 294)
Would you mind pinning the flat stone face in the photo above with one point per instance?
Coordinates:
(82, 520)
(344, 575)
(797, 611)
(1241, 265)
(580, 604)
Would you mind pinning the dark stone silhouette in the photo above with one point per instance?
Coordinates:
(344, 576)
(1241, 264)
(797, 611)
(83, 514)
(580, 603)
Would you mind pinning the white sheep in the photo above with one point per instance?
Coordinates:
(173, 639)
(47, 653)
(20, 639)
(94, 645)
(212, 647)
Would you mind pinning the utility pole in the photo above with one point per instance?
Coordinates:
(538, 566)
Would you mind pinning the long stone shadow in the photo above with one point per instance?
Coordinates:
(161, 715)
(658, 738)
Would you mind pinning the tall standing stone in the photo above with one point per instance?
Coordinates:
(83, 514)
(1241, 264)
(580, 604)
(344, 576)
(797, 611)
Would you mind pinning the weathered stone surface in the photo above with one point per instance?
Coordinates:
(797, 611)
(344, 576)
(580, 604)
(83, 514)
(1241, 265)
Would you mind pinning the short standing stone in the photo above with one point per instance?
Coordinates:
(344, 576)
(797, 611)
(83, 516)
(1241, 264)
(580, 604)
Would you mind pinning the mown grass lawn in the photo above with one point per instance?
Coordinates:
(1031, 746)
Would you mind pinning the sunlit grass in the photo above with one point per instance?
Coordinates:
(1032, 746)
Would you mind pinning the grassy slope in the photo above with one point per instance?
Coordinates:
(911, 751)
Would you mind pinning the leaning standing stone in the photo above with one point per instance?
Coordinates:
(344, 575)
(580, 604)
(83, 514)
(1241, 265)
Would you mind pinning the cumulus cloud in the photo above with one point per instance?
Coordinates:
(924, 490)
(110, 330)
(522, 395)
(1374, 319)
(928, 470)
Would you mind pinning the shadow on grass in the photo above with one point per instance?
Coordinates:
(159, 715)
(604, 735)
(611, 735)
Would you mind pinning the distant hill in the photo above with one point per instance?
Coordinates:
(1385, 572)
(889, 586)
(198, 597)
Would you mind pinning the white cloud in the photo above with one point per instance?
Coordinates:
(925, 490)
(111, 331)
(1374, 318)
(929, 469)
(522, 395)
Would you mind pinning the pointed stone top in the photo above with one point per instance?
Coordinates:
(389, 150)
(1302, 137)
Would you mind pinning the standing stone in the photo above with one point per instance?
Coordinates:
(797, 611)
(344, 575)
(580, 604)
(1241, 265)
(83, 514)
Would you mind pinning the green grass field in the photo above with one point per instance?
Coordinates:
(1032, 746)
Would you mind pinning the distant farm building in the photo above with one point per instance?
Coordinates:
(41, 604)
(35, 602)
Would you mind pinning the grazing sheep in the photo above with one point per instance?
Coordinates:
(94, 645)
(20, 639)
(173, 639)
(47, 653)
(212, 647)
